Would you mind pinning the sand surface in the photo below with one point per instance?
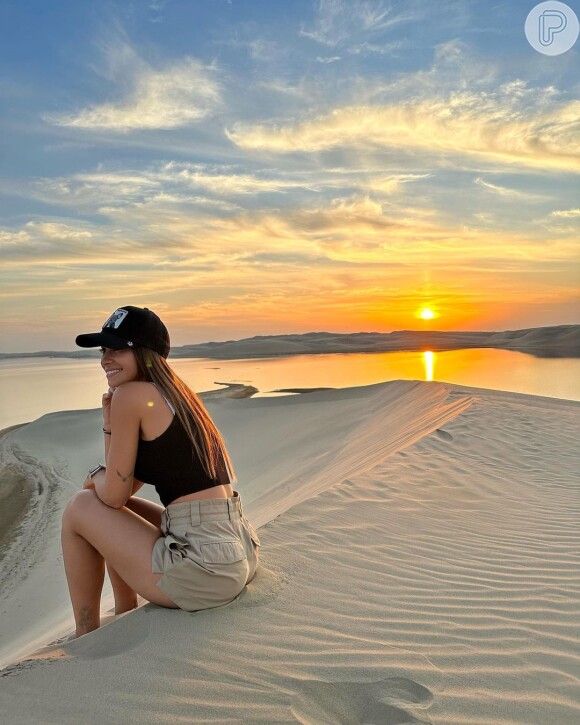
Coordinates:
(420, 564)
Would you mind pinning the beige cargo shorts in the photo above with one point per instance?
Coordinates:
(209, 551)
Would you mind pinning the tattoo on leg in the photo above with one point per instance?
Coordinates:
(85, 619)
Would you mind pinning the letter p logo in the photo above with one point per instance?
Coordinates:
(551, 22)
(551, 28)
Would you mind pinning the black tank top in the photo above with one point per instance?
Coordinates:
(170, 463)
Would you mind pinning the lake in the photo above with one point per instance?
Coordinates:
(32, 387)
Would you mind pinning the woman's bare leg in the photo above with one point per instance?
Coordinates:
(85, 590)
(93, 532)
(125, 597)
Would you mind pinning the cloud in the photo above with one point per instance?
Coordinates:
(225, 183)
(292, 259)
(510, 194)
(262, 49)
(41, 241)
(338, 21)
(355, 214)
(166, 183)
(457, 113)
(478, 124)
(280, 86)
(8, 237)
(157, 6)
(391, 183)
(566, 213)
(485, 217)
(166, 205)
(247, 35)
(150, 98)
(329, 256)
(561, 221)
(374, 49)
(60, 232)
(307, 91)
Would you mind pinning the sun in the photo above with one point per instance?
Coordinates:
(426, 314)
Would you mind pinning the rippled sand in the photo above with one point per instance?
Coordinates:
(420, 564)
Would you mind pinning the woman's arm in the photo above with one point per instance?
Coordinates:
(107, 426)
(114, 486)
(107, 444)
(90, 482)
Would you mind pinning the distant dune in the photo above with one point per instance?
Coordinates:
(557, 341)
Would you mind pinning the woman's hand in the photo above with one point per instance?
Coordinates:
(89, 483)
(107, 397)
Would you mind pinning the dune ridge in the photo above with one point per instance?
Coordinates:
(438, 584)
(285, 450)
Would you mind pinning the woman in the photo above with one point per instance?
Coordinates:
(196, 551)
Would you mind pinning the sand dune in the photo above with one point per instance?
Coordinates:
(419, 565)
(554, 341)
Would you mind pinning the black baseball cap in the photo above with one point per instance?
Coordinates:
(130, 326)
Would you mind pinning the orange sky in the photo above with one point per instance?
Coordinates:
(288, 172)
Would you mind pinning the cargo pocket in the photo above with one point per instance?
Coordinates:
(222, 552)
(175, 543)
(168, 551)
(253, 534)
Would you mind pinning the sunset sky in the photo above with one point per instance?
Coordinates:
(265, 167)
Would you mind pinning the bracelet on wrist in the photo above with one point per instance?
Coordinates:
(98, 468)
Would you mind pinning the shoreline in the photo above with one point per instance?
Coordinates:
(554, 341)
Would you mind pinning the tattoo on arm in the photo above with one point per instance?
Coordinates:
(124, 478)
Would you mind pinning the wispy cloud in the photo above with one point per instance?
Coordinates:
(457, 107)
(337, 21)
(330, 258)
(393, 49)
(148, 98)
(391, 183)
(561, 221)
(60, 232)
(218, 187)
(169, 182)
(225, 184)
(333, 59)
(249, 37)
(157, 6)
(263, 49)
(566, 213)
(355, 230)
(466, 123)
(510, 194)
(371, 149)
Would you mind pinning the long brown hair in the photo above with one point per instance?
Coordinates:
(205, 437)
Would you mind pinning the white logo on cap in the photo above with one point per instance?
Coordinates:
(116, 318)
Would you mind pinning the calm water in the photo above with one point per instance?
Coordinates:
(31, 387)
